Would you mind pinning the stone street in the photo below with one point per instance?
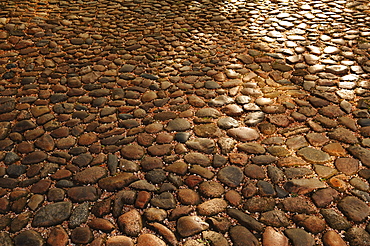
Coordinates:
(189, 123)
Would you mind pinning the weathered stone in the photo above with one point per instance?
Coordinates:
(331, 238)
(303, 186)
(28, 237)
(117, 182)
(130, 223)
(324, 197)
(166, 233)
(188, 197)
(298, 205)
(5, 239)
(52, 214)
(231, 176)
(354, 208)
(90, 175)
(311, 223)
(272, 237)
(58, 237)
(343, 135)
(178, 124)
(34, 157)
(164, 200)
(204, 145)
(149, 239)
(207, 131)
(101, 224)
(215, 238)
(190, 225)
(335, 220)
(160, 150)
(83, 193)
(197, 158)
(360, 153)
(243, 134)
(276, 218)
(133, 152)
(119, 241)
(212, 207)
(259, 204)
(357, 237)
(245, 220)
(299, 237)
(252, 148)
(314, 156)
(241, 236)
(82, 235)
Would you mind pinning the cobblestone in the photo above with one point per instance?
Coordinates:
(181, 122)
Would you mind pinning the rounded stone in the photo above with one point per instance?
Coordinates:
(58, 237)
(271, 237)
(212, 207)
(241, 236)
(132, 152)
(87, 138)
(188, 197)
(29, 238)
(227, 123)
(149, 239)
(130, 223)
(101, 224)
(243, 134)
(119, 241)
(190, 225)
(178, 125)
(211, 189)
(231, 176)
(82, 235)
(331, 238)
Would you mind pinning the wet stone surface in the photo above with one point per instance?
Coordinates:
(146, 122)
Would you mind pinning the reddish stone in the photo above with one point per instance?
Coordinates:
(101, 224)
(57, 237)
(279, 120)
(41, 187)
(233, 197)
(45, 142)
(4, 205)
(335, 149)
(188, 197)
(149, 239)
(142, 199)
(119, 241)
(238, 158)
(25, 147)
(331, 238)
(101, 208)
(87, 138)
(130, 223)
(160, 150)
(61, 174)
(348, 166)
(311, 223)
(193, 181)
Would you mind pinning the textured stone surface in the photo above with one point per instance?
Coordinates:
(52, 214)
(123, 117)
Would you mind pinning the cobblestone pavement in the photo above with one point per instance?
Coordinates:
(142, 122)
